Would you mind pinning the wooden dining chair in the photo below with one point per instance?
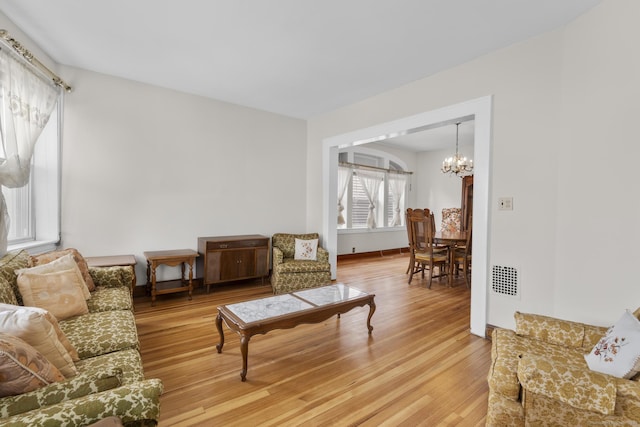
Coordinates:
(412, 243)
(426, 255)
(462, 257)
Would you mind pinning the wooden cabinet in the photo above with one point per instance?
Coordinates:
(228, 258)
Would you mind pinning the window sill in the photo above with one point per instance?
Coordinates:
(366, 230)
(35, 246)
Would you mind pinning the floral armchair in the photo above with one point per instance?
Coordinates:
(290, 274)
(539, 376)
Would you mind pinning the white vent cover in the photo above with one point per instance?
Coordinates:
(504, 280)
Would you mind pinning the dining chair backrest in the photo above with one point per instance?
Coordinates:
(413, 244)
(408, 226)
(451, 219)
(420, 223)
(433, 222)
(415, 213)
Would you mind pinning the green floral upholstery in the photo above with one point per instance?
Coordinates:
(94, 334)
(127, 361)
(112, 277)
(539, 376)
(11, 262)
(113, 289)
(110, 381)
(289, 274)
(7, 293)
(135, 404)
(109, 299)
(78, 386)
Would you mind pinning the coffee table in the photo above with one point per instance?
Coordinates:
(286, 311)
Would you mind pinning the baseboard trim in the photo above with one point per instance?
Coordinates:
(380, 253)
(489, 331)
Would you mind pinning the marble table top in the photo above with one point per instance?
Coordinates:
(265, 308)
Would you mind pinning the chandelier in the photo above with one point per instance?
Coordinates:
(458, 165)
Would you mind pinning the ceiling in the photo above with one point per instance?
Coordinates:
(298, 58)
(439, 136)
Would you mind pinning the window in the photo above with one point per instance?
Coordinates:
(359, 204)
(35, 208)
(356, 202)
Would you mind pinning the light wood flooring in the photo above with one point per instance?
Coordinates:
(420, 366)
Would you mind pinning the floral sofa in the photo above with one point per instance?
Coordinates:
(539, 377)
(109, 380)
(290, 274)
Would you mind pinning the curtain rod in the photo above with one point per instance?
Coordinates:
(4, 34)
(358, 166)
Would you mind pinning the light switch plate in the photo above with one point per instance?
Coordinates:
(505, 203)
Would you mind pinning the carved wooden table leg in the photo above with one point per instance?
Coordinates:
(153, 283)
(372, 309)
(220, 332)
(244, 349)
(190, 278)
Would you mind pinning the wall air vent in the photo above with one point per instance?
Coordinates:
(504, 280)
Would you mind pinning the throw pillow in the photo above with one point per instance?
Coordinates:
(60, 293)
(618, 352)
(23, 368)
(52, 320)
(65, 262)
(78, 258)
(306, 249)
(40, 330)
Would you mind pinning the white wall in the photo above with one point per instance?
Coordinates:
(567, 95)
(436, 190)
(146, 168)
(598, 204)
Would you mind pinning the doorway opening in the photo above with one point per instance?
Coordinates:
(481, 110)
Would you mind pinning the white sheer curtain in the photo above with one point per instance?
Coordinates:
(371, 181)
(344, 176)
(397, 184)
(26, 102)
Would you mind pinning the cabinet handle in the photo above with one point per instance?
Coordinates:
(224, 246)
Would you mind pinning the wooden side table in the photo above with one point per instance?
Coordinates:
(112, 261)
(172, 258)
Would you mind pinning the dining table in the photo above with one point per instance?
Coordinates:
(450, 239)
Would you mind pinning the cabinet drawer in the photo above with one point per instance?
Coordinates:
(229, 258)
(236, 244)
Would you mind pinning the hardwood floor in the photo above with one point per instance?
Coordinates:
(420, 366)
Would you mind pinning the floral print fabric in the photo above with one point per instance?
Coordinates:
(539, 376)
(618, 351)
(451, 219)
(289, 274)
(110, 381)
(575, 386)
